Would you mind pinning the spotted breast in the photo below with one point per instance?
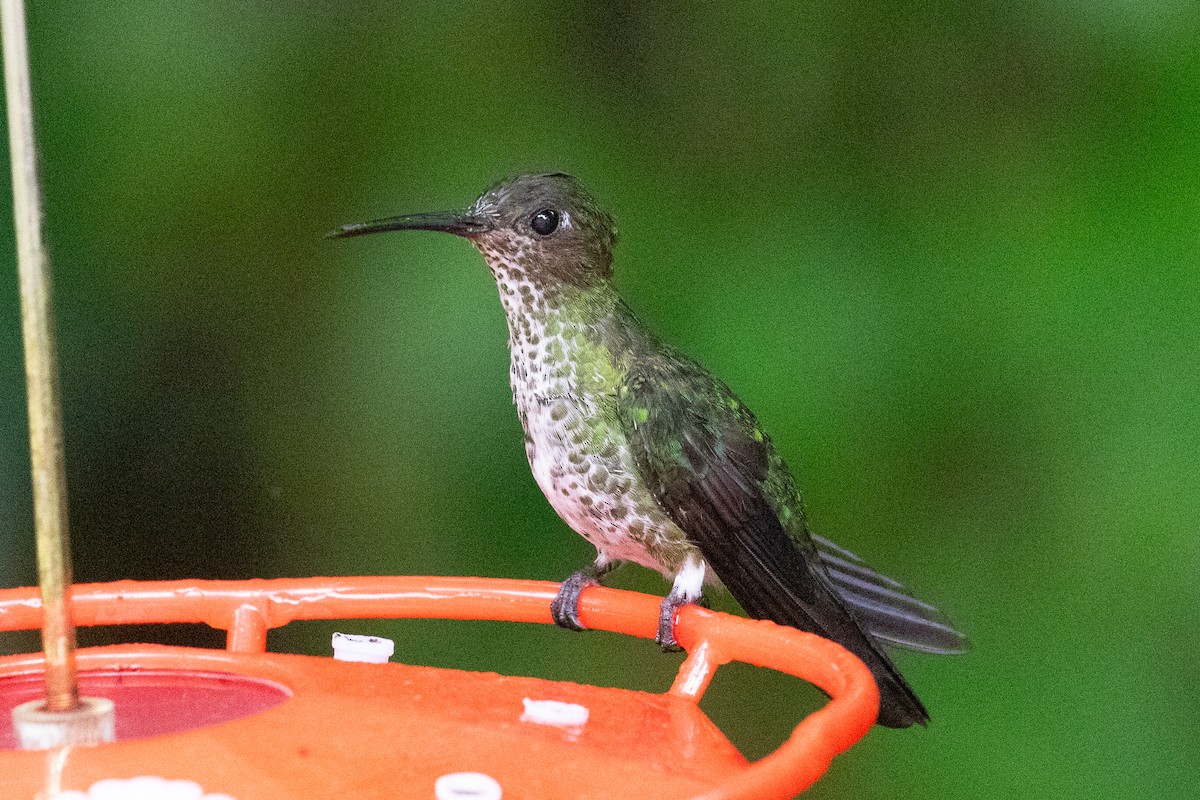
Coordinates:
(564, 384)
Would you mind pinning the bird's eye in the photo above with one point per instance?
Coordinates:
(544, 222)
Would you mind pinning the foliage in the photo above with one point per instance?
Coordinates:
(947, 252)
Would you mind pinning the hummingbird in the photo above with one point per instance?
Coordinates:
(650, 457)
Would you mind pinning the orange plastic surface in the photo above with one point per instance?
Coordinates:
(389, 730)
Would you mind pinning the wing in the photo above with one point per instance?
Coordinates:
(702, 455)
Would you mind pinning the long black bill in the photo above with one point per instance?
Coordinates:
(456, 222)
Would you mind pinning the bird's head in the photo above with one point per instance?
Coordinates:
(545, 226)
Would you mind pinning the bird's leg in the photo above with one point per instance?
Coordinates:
(666, 621)
(564, 608)
(688, 588)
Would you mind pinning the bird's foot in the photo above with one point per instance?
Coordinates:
(687, 588)
(666, 620)
(564, 608)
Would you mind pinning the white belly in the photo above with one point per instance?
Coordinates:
(587, 475)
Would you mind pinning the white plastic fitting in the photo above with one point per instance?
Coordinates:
(367, 649)
(94, 722)
(467, 786)
(555, 713)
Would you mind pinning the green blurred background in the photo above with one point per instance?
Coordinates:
(947, 251)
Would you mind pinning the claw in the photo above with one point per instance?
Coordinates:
(666, 622)
(564, 608)
(687, 588)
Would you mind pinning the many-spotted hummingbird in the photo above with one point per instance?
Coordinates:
(652, 459)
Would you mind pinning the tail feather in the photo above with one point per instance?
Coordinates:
(885, 608)
(773, 579)
(899, 706)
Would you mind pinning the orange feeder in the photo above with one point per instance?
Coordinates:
(243, 723)
(250, 724)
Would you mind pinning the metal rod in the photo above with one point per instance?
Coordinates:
(41, 372)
